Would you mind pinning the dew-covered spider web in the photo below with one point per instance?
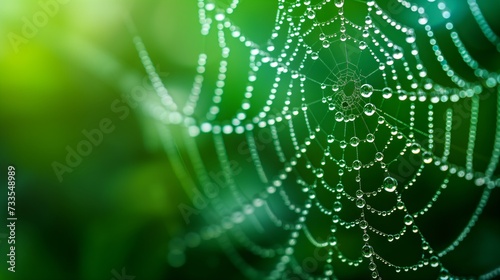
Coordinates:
(340, 139)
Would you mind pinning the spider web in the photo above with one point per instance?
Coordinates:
(345, 134)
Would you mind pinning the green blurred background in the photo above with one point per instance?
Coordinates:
(117, 209)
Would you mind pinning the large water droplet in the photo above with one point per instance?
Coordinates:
(366, 90)
(408, 219)
(362, 45)
(356, 165)
(389, 61)
(370, 138)
(339, 116)
(360, 203)
(415, 148)
(386, 92)
(423, 19)
(367, 251)
(363, 224)
(390, 184)
(368, 20)
(397, 52)
(369, 109)
(434, 261)
(319, 172)
(427, 157)
(444, 274)
(337, 206)
(354, 141)
(410, 36)
(339, 3)
(311, 14)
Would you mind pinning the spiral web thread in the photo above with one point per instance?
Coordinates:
(343, 103)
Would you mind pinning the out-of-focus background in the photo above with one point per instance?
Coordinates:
(96, 197)
(66, 69)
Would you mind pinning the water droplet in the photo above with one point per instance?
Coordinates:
(359, 193)
(368, 20)
(386, 92)
(389, 61)
(356, 165)
(362, 45)
(370, 138)
(369, 109)
(366, 90)
(330, 138)
(394, 130)
(400, 205)
(343, 37)
(339, 116)
(360, 203)
(415, 148)
(304, 107)
(322, 36)
(319, 172)
(444, 274)
(331, 106)
(363, 224)
(311, 14)
(427, 157)
(337, 206)
(390, 184)
(335, 87)
(397, 52)
(354, 141)
(379, 156)
(367, 251)
(328, 268)
(339, 187)
(343, 144)
(339, 3)
(326, 44)
(390, 237)
(423, 19)
(434, 261)
(408, 219)
(366, 237)
(314, 56)
(410, 36)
